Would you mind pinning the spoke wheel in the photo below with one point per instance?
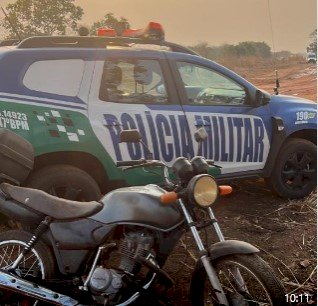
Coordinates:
(249, 293)
(30, 266)
(246, 280)
(36, 265)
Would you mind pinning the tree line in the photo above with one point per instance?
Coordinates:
(242, 49)
(61, 17)
(50, 17)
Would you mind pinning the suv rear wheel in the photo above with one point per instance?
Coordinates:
(295, 171)
(66, 182)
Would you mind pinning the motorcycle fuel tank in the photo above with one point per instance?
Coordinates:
(139, 205)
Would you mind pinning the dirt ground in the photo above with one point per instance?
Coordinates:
(297, 78)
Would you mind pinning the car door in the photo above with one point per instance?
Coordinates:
(218, 99)
(134, 90)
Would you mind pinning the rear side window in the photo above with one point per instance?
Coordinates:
(133, 81)
(60, 77)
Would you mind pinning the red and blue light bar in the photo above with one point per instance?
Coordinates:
(153, 31)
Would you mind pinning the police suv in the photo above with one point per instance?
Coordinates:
(71, 97)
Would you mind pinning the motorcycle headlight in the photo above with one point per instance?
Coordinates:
(203, 190)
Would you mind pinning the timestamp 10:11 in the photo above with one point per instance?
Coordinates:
(297, 298)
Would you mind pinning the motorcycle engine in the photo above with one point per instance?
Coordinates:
(108, 282)
(134, 245)
(105, 281)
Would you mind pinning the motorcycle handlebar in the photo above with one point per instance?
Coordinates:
(210, 162)
(128, 163)
(144, 164)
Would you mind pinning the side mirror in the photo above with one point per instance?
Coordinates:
(130, 136)
(200, 134)
(261, 98)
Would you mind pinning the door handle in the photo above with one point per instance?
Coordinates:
(201, 122)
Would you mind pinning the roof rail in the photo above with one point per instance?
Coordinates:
(95, 42)
(9, 42)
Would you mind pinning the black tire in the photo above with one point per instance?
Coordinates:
(42, 262)
(295, 171)
(65, 181)
(250, 265)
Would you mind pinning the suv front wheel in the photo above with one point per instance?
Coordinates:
(295, 171)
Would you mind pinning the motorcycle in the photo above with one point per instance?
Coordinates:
(112, 252)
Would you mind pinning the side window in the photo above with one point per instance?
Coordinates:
(207, 87)
(60, 77)
(133, 81)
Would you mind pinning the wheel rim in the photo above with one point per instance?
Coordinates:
(299, 171)
(30, 266)
(252, 293)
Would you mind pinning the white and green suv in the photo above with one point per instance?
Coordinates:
(71, 96)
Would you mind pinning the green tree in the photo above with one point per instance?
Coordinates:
(313, 45)
(203, 49)
(228, 50)
(254, 48)
(2, 33)
(109, 21)
(42, 17)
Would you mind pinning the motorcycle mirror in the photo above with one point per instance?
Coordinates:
(200, 134)
(130, 136)
(134, 136)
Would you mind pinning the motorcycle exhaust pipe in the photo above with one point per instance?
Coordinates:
(21, 286)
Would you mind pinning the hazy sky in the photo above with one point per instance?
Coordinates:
(215, 21)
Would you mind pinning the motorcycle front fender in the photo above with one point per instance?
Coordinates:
(231, 247)
(225, 248)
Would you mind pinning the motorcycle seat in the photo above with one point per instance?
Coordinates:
(57, 208)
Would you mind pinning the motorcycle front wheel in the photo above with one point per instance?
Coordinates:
(38, 264)
(247, 280)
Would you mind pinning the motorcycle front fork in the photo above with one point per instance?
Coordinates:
(204, 255)
(236, 273)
